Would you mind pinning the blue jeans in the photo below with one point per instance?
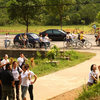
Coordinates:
(24, 91)
(46, 44)
(6, 45)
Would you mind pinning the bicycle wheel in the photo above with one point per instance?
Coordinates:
(37, 45)
(17, 44)
(51, 46)
(66, 44)
(29, 45)
(8, 43)
(88, 45)
(79, 44)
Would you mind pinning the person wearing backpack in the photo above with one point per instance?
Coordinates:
(16, 71)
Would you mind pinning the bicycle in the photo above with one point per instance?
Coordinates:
(21, 45)
(86, 44)
(72, 43)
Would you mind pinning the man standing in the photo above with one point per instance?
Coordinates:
(7, 82)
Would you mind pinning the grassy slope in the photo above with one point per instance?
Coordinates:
(43, 68)
(92, 93)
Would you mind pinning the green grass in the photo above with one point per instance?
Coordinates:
(42, 68)
(14, 29)
(92, 93)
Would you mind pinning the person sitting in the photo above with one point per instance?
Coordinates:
(46, 41)
(82, 37)
(93, 75)
(21, 39)
(25, 39)
(68, 37)
(41, 39)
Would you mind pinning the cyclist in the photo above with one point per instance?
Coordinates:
(25, 39)
(46, 41)
(68, 37)
(82, 37)
(7, 40)
(98, 38)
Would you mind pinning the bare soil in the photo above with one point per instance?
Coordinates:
(70, 95)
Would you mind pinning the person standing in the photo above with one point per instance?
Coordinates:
(6, 40)
(30, 89)
(21, 60)
(24, 77)
(16, 71)
(4, 61)
(7, 81)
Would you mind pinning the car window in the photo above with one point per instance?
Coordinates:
(34, 36)
(49, 31)
(29, 37)
(62, 31)
(56, 32)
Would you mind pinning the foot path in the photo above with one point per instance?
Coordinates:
(65, 80)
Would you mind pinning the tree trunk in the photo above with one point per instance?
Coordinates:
(27, 24)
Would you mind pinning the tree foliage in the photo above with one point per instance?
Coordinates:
(48, 12)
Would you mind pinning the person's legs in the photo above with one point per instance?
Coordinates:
(4, 93)
(30, 89)
(5, 43)
(10, 93)
(17, 89)
(0, 92)
(24, 90)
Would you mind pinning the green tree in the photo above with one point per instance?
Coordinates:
(98, 17)
(23, 11)
(57, 7)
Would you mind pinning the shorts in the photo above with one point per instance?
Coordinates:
(24, 91)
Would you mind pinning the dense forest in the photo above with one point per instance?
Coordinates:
(49, 12)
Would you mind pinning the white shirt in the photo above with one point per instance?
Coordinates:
(6, 37)
(4, 62)
(20, 60)
(46, 39)
(16, 73)
(24, 79)
(31, 75)
(90, 76)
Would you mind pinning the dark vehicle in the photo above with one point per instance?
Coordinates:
(32, 39)
(54, 34)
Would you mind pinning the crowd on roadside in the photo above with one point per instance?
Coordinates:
(13, 75)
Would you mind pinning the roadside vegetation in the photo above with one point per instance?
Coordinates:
(55, 61)
(90, 93)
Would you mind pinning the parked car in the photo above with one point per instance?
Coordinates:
(32, 38)
(54, 34)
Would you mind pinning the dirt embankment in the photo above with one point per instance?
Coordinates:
(70, 95)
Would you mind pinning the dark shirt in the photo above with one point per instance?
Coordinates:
(6, 77)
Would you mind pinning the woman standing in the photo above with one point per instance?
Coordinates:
(24, 81)
(93, 75)
(16, 70)
(30, 89)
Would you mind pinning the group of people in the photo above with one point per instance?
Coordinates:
(71, 36)
(45, 41)
(12, 75)
(93, 75)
